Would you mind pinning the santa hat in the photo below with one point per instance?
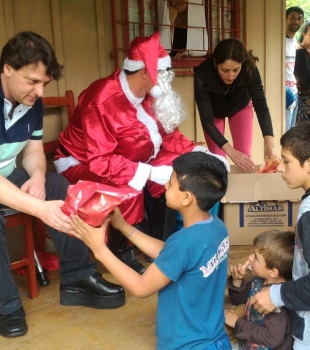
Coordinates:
(142, 53)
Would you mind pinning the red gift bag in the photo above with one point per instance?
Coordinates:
(93, 201)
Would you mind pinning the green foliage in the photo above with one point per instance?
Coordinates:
(304, 4)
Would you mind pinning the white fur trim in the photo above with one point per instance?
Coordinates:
(141, 176)
(161, 174)
(149, 122)
(200, 149)
(222, 159)
(62, 164)
(142, 116)
(132, 65)
(156, 91)
(131, 97)
(164, 63)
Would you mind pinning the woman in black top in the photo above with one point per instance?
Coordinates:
(302, 73)
(226, 85)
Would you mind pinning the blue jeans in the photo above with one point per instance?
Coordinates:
(291, 116)
(74, 260)
(222, 343)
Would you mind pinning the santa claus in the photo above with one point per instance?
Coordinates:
(124, 133)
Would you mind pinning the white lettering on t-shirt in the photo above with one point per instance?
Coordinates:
(221, 255)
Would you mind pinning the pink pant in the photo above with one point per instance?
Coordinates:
(241, 129)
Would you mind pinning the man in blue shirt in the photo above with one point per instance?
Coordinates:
(28, 64)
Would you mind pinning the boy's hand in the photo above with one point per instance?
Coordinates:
(93, 237)
(231, 318)
(116, 219)
(238, 272)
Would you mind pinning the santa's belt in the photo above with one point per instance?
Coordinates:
(64, 151)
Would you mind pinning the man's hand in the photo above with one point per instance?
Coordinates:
(262, 302)
(51, 214)
(34, 188)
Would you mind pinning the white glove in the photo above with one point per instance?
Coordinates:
(221, 158)
(161, 174)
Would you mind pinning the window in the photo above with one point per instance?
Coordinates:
(190, 29)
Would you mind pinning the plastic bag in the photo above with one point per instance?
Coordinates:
(93, 201)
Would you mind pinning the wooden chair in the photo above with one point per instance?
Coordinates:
(50, 147)
(13, 219)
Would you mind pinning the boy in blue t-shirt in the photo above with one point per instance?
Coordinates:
(189, 269)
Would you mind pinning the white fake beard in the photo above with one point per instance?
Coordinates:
(168, 107)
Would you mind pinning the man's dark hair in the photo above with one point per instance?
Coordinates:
(30, 48)
(297, 141)
(294, 9)
(203, 175)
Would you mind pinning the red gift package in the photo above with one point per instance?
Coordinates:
(269, 166)
(93, 201)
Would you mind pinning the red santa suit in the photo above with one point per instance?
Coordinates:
(112, 136)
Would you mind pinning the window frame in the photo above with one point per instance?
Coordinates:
(122, 27)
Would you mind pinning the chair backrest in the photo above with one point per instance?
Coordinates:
(66, 101)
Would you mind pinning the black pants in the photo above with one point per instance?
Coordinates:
(74, 260)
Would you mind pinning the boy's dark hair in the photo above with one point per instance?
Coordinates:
(234, 49)
(294, 9)
(297, 141)
(277, 248)
(203, 175)
(30, 48)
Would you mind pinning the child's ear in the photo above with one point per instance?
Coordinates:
(187, 198)
(308, 164)
(274, 273)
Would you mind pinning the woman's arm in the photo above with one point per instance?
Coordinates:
(259, 101)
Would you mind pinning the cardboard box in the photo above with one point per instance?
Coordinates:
(257, 202)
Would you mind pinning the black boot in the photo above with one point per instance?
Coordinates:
(127, 256)
(118, 244)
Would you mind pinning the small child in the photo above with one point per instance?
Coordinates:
(295, 295)
(271, 263)
(189, 269)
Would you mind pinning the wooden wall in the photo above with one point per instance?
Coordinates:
(81, 34)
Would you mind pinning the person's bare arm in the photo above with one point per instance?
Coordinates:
(48, 211)
(34, 162)
(239, 158)
(270, 152)
(140, 285)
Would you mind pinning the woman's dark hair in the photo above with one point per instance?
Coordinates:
(30, 48)
(203, 175)
(305, 30)
(233, 49)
